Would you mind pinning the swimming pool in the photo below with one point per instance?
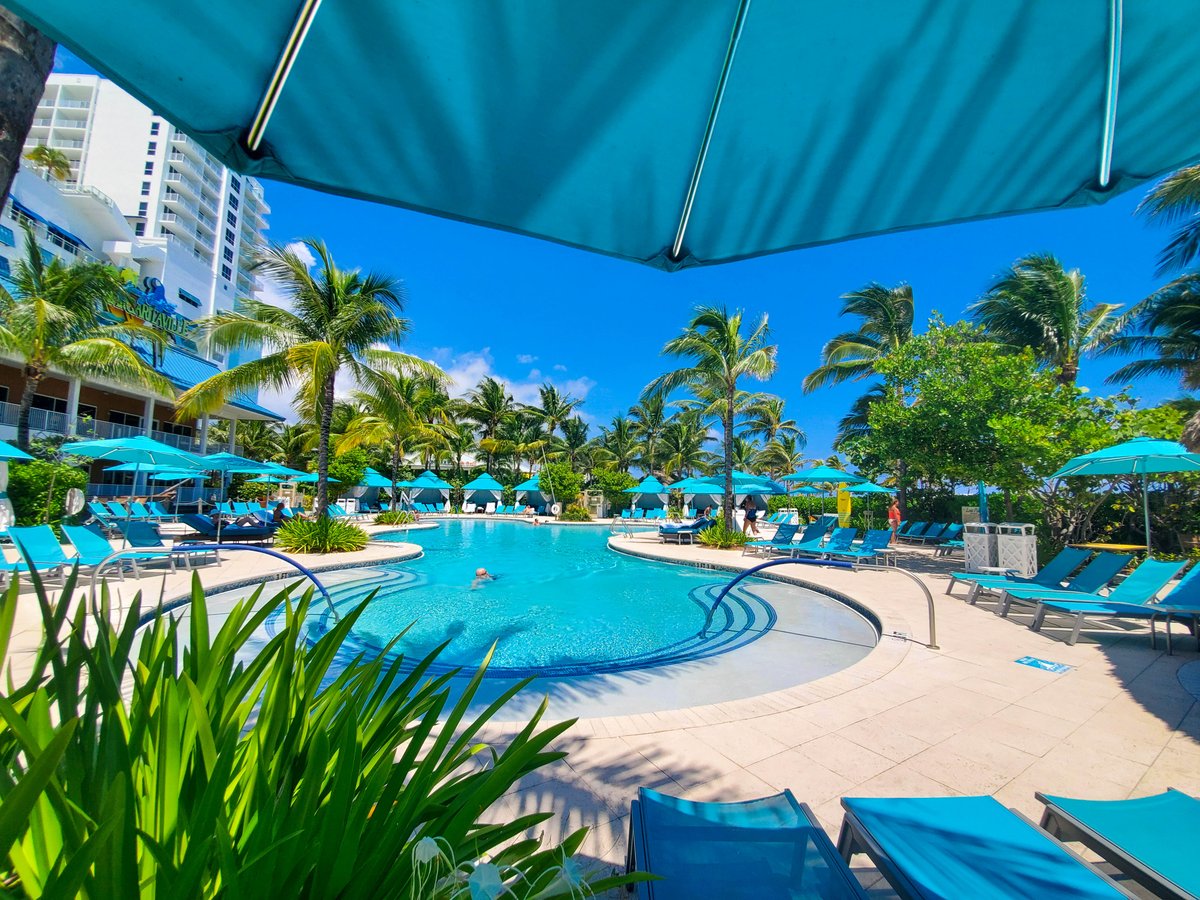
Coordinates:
(563, 605)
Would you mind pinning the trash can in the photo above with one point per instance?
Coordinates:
(979, 542)
(1016, 548)
(349, 504)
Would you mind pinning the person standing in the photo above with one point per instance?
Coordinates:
(750, 524)
(894, 518)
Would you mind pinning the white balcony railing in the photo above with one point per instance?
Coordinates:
(74, 104)
(43, 421)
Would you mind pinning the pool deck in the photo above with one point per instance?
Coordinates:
(905, 721)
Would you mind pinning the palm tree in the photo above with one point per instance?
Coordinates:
(555, 407)
(1176, 199)
(745, 454)
(337, 321)
(782, 455)
(720, 358)
(51, 322)
(487, 405)
(649, 418)
(766, 419)
(1039, 304)
(256, 439)
(683, 441)
(619, 440)
(26, 57)
(519, 436)
(574, 441)
(294, 443)
(53, 162)
(392, 414)
(855, 423)
(887, 324)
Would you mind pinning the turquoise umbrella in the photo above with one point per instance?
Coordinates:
(311, 478)
(372, 479)
(823, 475)
(8, 451)
(674, 135)
(1142, 456)
(869, 487)
(138, 449)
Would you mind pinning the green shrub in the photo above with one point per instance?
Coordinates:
(560, 481)
(395, 517)
(232, 764)
(612, 485)
(38, 489)
(325, 535)
(575, 513)
(348, 468)
(722, 538)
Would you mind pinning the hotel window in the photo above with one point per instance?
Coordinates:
(4, 270)
(227, 273)
(140, 229)
(149, 169)
(154, 127)
(235, 182)
(188, 298)
(145, 189)
(142, 207)
(231, 219)
(152, 148)
(233, 202)
(228, 255)
(4, 390)
(6, 236)
(123, 418)
(230, 237)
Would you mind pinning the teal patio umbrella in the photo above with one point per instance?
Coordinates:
(9, 452)
(648, 487)
(1142, 456)
(670, 135)
(311, 478)
(867, 488)
(823, 475)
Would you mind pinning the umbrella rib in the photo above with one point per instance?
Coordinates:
(279, 77)
(1112, 84)
(693, 185)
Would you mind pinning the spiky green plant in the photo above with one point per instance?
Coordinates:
(323, 535)
(173, 761)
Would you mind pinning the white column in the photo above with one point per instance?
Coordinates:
(233, 435)
(202, 427)
(148, 416)
(72, 406)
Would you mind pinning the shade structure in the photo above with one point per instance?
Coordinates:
(649, 493)
(269, 479)
(1142, 456)
(9, 452)
(173, 475)
(137, 467)
(806, 490)
(428, 487)
(372, 479)
(270, 468)
(139, 449)
(530, 491)
(734, 129)
(485, 487)
(823, 475)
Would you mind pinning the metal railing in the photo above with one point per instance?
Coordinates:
(832, 564)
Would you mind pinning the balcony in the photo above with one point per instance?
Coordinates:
(189, 146)
(63, 122)
(73, 104)
(42, 121)
(64, 144)
(43, 421)
(188, 186)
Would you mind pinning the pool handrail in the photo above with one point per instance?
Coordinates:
(829, 563)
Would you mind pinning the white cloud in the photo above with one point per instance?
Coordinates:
(559, 367)
(301, 250)
(526, 358)
(468, 368)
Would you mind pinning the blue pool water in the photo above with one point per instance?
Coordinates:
(563, 604)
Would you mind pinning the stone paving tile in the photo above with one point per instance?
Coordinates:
(848, 759)
(805, 777)
(742, 742)
(879, 738)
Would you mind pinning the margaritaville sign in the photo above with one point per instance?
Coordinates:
(133, 306)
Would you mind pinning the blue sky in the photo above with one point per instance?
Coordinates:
(486, 302)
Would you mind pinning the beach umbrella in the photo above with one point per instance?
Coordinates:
(1141, 456)
(688, 138)
(823, 475)
(311, 478)
(269, 479)
(868, 488)
(137, 467)
(173, 475)
(9, 452)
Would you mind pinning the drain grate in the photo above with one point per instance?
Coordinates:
(1189, 677)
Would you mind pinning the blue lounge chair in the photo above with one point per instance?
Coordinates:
(916, 529)
(810, 540)
(102, 514)
(772, 847)
(683, 534)
(625, 514)
(841, 538)
(119, 511)
(876, 540)
(94, 548)
(950, 533)
(639, 514)
(40, 550)
(933, 533)
(205, 528)
(1095, 575)
(159, 511)
(1052, 575)
(781, 538)
(144, 536)
(965, 847)
(1135, 603)
(1153, 839)
(140, 511)
(240, 508)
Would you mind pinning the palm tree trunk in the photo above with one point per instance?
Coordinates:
(727, 500)
(1191, 433)
(323, 446)
(33, 377)
(395, 465)
(1068, 374)
(902, 490)
(26, 56)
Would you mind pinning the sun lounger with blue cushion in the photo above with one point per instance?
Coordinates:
(93, 548)
(1137, 602)
(160, 511)
(1052, 575)
(685, 533)
(1088, 581)
(915, 530)
(39, 549)
(639, 514)
(876, 540)
(102, 514)
(810, 541)
(840, 539)
(1152, 840)
(761, 849)
(971, 848)
(118, 510)
(950, 533)
(145, 536)
(205, 528)
(933, 533)
(781, 538)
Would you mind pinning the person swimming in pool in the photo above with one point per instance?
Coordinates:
(481, 575)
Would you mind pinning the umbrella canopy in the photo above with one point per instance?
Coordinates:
(231, 463)
(170, 475)
(807, 491)
(823, 475)
(648, 485)
(428, 479)
(8, 451)
(270, 479)
(1140, 456)
(529, 484)
(139, 449)
(135, 467)
(484, 482)
(311, 478)
(270, 468)
(869, 488)
(678, 131)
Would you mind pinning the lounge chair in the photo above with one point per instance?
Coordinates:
(933, 533)
(639, 514)
(965, 847)
(683, 534)
(626, 514)
(1136, 602)
(840, 538)
(1153, 839)
(810, 540)
(876, 540)
(1052, 575)
(119, 511)
(40, 551)
(144, 536)
(772, 847)
(140, 511)
(916, 529)
(204, 528)
(241, 508)
(781, 538)
(1095, 575)
(94, 548)
(102, 514)
(951, 533)
(159, 511)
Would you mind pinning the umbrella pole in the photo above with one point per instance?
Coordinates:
(1146, 509)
